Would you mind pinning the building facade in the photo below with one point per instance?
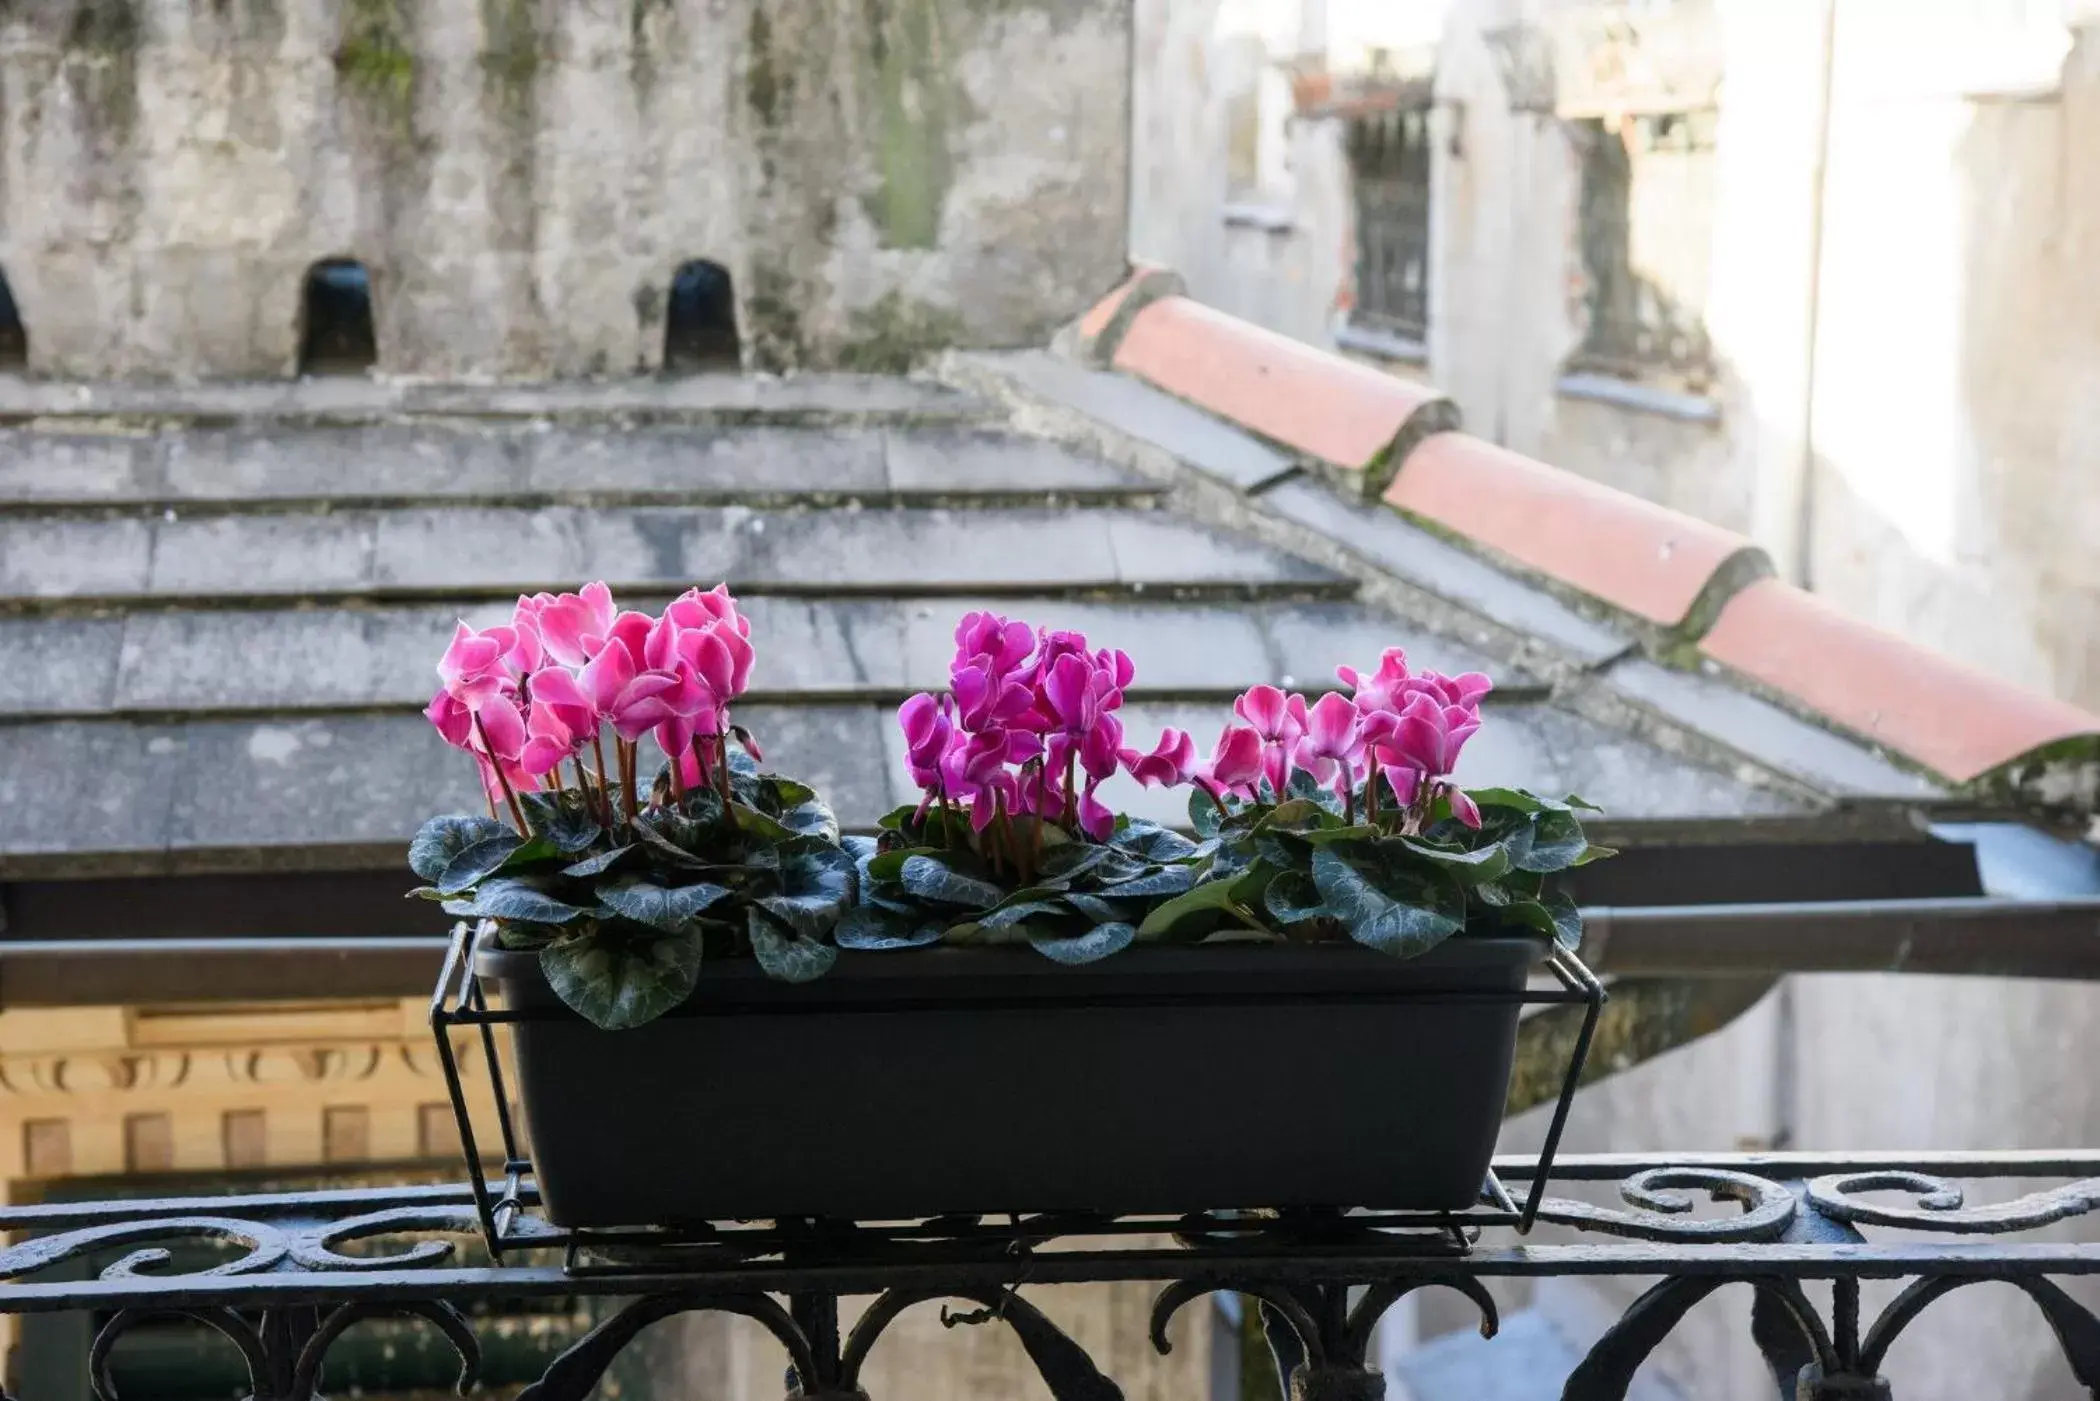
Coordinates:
(1813, 270)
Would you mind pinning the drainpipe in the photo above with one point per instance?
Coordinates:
(1797, 563)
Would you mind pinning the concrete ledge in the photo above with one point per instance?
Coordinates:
(1341, 414)
(1654, 563)
(1946, 717)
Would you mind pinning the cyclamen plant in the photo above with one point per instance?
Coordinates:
(1334, 818)
(623, 889)
(1340, 817)
(1009, 839)
(1329, 819)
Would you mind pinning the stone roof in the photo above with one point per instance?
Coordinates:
(1683, 592)
(220, 606)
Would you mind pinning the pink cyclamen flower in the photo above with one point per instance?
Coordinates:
(627, 697)
(1280, 721)
(563, 692)
(707, 634)
(454, 722)
(1376, 690)
(986, 698)
(497, 743)
(1425, 735)
(1333, 741)
(1235, 764)
(477, 664)
(927, 734)
(998, 643)
(548, 740)
(572, 626)
(1096, 819)
(1171, 763)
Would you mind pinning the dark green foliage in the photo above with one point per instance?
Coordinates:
(623, 911)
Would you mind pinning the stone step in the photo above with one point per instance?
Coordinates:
(87, 797)
(167, 663)
(843, 398)
(480, 552)
(207, 469)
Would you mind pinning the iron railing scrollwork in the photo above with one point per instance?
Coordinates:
(298, 1271)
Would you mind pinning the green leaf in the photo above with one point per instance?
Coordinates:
(786, 956)
(1325, 835)
(1593, 853)
(670, 909)
(755, 823)
(1295, 816)
(1190, 908)
(1384, 905)
(897, 819)
(1206, 818)
(815, 881)
(1494, 894)
(865, 927)
(562, 819)
(1553, 914)
(525, 937)
(1151, 842)
(1095, 908)
(669, 834)
(530, 853)
(511, 898)
(1567, 919)
(1292, 898)
(471, 864)
(930, 879)
(443, 838)
(571, 831)
(1167, 880)
(1067, 862)
(596, 865)
(1098, 942)
(1484, 863)
(1556, 844)
(797, 807)
(1515, 799)
(621, 983)
(1015, 911)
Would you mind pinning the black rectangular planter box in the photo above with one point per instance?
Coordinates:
(978, 1080)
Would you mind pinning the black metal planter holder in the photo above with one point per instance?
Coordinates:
(510, 1218)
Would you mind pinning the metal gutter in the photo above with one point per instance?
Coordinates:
(1983, 937)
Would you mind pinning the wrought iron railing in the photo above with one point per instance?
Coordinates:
(303, 1268)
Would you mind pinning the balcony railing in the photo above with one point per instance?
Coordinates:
(306, 1267)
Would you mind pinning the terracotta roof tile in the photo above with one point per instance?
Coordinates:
(1102, 328)
(1654, 562)
(1950, 718)
(1331, 409)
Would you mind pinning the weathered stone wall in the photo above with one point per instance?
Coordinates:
(521, 177)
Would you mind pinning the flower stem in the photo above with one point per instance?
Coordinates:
(626, 752)
(1070, 805)
(605, 779)
(583, 785)
(517, 810)
(723, 787)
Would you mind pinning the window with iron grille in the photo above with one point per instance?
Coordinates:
(1389, 165)
(1646, 230)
